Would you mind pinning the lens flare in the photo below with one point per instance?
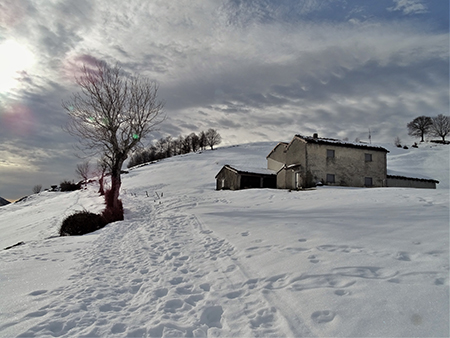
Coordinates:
(18, 119)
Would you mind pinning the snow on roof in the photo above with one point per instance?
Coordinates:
(252, 170)
(407, 176)
(320, 140)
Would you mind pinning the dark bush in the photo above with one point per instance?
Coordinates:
(69, 186)
(80, 223)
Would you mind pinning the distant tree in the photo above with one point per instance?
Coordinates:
(169, 147)
(186, 145)
(213, 138)
(111, 115)
(37, 189)
(195, 142)
(82, 170)
(440, 126)
(398, 142)
(420, 126)
(202, 141)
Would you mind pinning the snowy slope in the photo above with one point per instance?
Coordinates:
(192, 261)
(3, 201)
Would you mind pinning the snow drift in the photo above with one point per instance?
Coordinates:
(191, 261)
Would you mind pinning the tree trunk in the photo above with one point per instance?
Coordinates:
(114, 208)
(101, 181)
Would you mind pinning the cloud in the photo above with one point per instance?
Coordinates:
(254, 70)
(409, 7)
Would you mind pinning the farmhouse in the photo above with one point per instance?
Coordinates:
(308, 161)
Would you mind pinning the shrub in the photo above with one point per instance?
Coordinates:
(80, 223)
(69, 186)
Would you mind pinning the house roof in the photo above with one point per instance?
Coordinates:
(340, 143)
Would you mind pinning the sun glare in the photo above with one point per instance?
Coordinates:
(14, 58)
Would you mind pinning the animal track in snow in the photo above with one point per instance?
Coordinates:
(342, 292)
(234, 294)
(212, 316)
(325, 316)
(339, 248)
(402, 256)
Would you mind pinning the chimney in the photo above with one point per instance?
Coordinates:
(315, 135)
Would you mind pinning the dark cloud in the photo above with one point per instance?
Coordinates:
(255, 70)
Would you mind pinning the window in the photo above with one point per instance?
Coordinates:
(368, 181)
(330, 153)
(330, 178)
(368, 157)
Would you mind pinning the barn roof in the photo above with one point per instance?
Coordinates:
(248, 170)
(411, 177)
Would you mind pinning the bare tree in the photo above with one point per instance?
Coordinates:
(420, 126)
(82, 170)
(186, 144)
(398, 142)
(440, 126)
(111, 115)
(37, 188)
(195, 141)
(102, 166)
(202, 141)
(213, 138)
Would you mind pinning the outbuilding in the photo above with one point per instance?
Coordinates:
(234, 179)
(399, 181)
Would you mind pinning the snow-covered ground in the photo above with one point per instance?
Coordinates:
(192, 261)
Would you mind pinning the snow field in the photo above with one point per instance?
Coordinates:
(192, 261)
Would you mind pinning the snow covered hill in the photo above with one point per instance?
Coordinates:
(3, 202)
(192, 261)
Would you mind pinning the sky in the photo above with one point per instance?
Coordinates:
(256, 70)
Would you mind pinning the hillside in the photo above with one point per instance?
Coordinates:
(3, 202)
(191, 261)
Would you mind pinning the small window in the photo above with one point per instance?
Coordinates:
(368, 181)
(330, 178)
(368, 157)
(330, 153)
